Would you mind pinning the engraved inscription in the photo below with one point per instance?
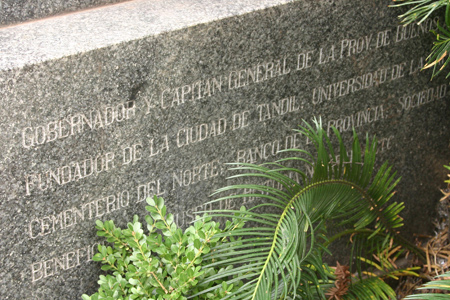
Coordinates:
(55, 265)
(415, 100)
(406, 32)
(347, 86)
(77, 123)
(93, 209)
(131, 154)
(269, 149)
(351, 47)
(201, 132)
(190, 92)
(258, 73)
(240, 119)
(149, 189)
(159, 146)
(74, 215)
(385, 144)
(202, 172)
(92, 166)
(357, 119)
(281, 107)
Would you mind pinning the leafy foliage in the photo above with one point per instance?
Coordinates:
(384, 264)
(291, 223)
(439, 58)
(280, 255)
(421, 10)
(163, 264)
(438, 285)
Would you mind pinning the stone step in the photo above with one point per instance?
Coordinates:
(101, 108)
(19, 11)
(84, 31)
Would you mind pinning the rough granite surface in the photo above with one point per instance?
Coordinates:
(93, 120)
(80, 32)
(19, 11)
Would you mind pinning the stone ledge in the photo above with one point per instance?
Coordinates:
(61, 36)
(18, 11)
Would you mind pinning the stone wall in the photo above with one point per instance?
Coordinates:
(101, 109)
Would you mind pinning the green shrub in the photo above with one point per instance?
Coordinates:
(165, 263)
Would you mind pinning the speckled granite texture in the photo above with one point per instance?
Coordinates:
(99, 110)
(88, 30)
(18, 11)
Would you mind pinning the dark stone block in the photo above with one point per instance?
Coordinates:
(95, 116)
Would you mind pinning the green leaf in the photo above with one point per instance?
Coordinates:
(169, 219)
(160, 225)
(149, 220)
(197, 244)
(156, 216)
(201, 234)
(151, 201)
(160, 202)
(190, 255)
(167, 233)
(152, 209)
(98, 257)
(437, 286)
(99, 224)
(106, 267)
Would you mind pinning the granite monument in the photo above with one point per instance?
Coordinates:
(104, 108)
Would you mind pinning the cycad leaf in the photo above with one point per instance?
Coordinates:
(290, 259)
(370, 288)
(437, 284)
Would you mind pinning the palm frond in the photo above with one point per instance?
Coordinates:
(421, 9)
(370, 288)
(439, 57)
(283, 256)
(439, 285)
